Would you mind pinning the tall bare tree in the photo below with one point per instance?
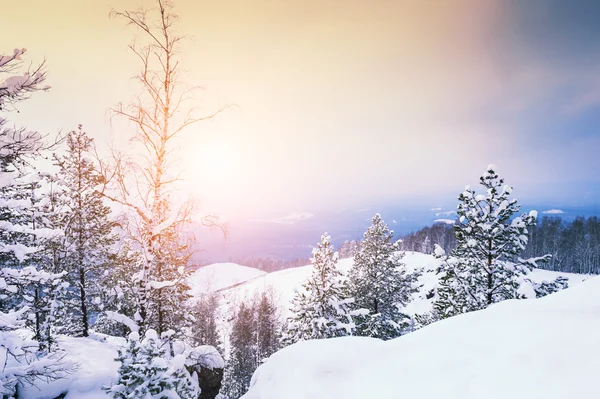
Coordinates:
(160, 114)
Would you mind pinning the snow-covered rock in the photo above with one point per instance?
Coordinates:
(537, 348)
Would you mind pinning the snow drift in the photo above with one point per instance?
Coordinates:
(538, 348)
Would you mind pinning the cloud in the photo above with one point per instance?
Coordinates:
(435, 209)
(553, 211)
(447, 221)
(292, 218)
(447, 213)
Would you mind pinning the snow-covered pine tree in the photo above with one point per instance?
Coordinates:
(242, 354)
(484, 267)
(88, 236)
(426, 247)
(147, 371)
(348, 249)
(119, 292)
(267, 327)
(204, 328)
(320, 309)
(380, 284)
(24, 362)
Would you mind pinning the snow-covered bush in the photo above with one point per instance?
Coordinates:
(159, 367)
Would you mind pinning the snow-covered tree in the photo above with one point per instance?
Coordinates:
(119, 290)
(88, 237)
(426, 247)
(242, 355)
(320, 309)
(24, 362)
(147, 371)
(380, 284)
(348, 249)
(144, 185)
(484, 267)
(204, 328)
(267, 327)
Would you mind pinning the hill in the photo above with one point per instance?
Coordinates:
(283, 283)
(220, 276)
(540, 348)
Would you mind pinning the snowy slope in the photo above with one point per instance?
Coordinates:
(284, 282)
(221, 275)
(537, 348)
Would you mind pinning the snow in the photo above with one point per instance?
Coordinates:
(544, 348)
(96, 368)
(447, 221)
(124, 320)
(329, 368)
(206, 356)
(221, 275)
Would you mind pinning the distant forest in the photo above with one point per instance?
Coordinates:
(574, 246)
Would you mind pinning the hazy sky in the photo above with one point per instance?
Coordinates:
(344, 103)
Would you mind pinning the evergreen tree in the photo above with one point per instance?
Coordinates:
(484, 267)
(119, 293)
(204, 329)
(267, 327)
(242, 356)
(380, 284)
(25, 360)
(147, 371)
(88, 230)
(320, 309)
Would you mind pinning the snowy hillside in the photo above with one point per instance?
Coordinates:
(221, 275)
(545, 348)
(284, 282)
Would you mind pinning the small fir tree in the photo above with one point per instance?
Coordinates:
(380, 284)
(320, 309)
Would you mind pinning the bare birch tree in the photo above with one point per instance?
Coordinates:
(160, 114)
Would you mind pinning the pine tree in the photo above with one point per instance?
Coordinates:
(24, 361)
(119, 290)
(484, 267)
(242, 356)
(380, 284)
(147, 371)
(320, 309)
(267, 328)
(88, 234)
(204, 329)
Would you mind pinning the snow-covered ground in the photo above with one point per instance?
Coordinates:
(345, 362)
(221, 275)
(95, 367)
(538, 348)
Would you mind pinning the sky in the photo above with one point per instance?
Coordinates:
(342, 104)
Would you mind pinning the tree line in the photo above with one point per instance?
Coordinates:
(574, 245)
